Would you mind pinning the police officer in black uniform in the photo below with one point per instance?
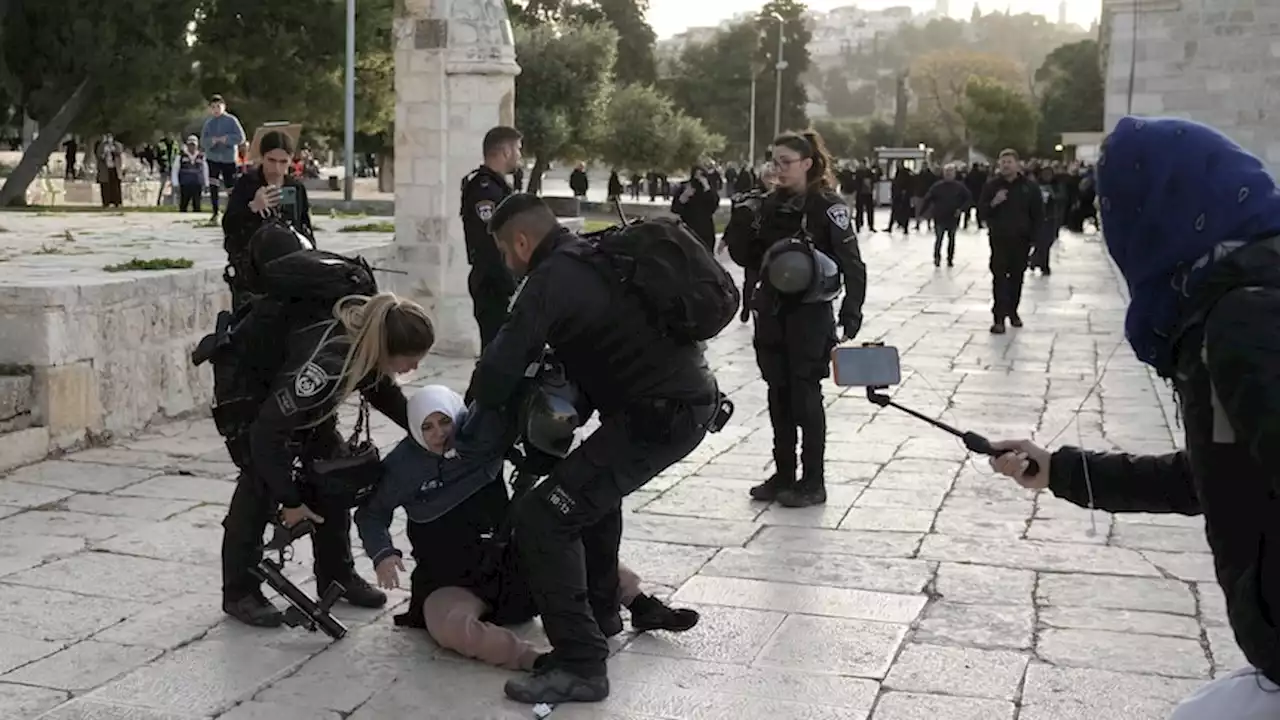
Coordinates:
(656, 397)
(795, 332)
(297, 421)
(490, 283)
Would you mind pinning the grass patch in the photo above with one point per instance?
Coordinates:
(383, 226)
(156, 264)
(47, 249)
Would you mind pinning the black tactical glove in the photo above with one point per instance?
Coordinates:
(850, 325)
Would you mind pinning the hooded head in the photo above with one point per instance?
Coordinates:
(432, 412)
(1170, 192)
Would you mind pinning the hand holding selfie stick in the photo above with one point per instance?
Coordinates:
(303, 612)
(972, 440)
(876, 367)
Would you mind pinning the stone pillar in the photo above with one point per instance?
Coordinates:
(455, 79)
(1206, 60)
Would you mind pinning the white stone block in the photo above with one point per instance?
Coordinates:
(1148, 104)
(23, 447)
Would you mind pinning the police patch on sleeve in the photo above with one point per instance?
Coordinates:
(839, 215)
(284, 400)
(310, 380)
(484, 210)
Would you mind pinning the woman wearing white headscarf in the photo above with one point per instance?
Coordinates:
(444, 476)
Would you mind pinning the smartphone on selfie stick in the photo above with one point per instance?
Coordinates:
(877, 367)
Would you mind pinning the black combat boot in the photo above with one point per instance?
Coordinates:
(1015, 320)
(610, 623)
(650, 613)
(809, 491)
(769, 490)
(253, 609)
(357, 591)
(549, 683)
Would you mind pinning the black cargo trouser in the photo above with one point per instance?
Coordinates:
(945, 229)
(569, 527)
(1009, 255)
(865, 211)
(490, 299)
(793, 349)
(251, 510)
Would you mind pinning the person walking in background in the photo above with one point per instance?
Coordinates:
(190, 175)
(1013, 210)
(110, 164)
(578, 181)
(943, 203)
(615, 186)
(221, 139)
(696, 205)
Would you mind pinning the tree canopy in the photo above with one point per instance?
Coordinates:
(940, 81)
(795, 53)
(997, 117)
(563, 88)
(90, 66)
(712, 82)
(1071, 93)
(643, 131)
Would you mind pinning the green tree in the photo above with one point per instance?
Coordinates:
(65, 57)
(795, 53)
(842, 137)
(636, 128)
(940, 80)
(642, 131)
(1071, 93)
(635, 59)
(690, 142)
(998, 117)
(712, 82)
(562, 90)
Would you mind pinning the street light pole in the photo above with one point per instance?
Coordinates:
(751, 133)
(349, 135)
(781, 65)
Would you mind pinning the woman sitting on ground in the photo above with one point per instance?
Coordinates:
(465, 588)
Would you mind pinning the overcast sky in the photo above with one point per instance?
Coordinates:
(669, 17)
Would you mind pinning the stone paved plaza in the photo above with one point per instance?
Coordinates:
(925, 588)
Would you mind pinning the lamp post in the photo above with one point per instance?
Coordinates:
(779, 67)
(751, 133)
(349, 111)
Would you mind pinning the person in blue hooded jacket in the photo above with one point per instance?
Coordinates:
(1193, 222)
(464, 588)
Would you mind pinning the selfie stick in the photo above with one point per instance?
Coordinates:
(972, 440)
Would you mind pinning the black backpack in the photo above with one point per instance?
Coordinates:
(249, 346)
(682, 285)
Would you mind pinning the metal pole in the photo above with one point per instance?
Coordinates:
(751, 134)
(349, 139)
(777, 97)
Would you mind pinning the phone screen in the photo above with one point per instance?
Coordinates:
(866, 366)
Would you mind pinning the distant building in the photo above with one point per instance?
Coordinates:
(942, 8)
(1062, 12)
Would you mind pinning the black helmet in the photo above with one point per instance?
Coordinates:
(549, 412)
(795, 268)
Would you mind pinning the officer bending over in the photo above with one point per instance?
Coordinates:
(369, 342)
(490, 283)
(801, 225)
(655, 396)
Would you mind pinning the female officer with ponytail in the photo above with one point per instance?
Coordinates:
(367, 342)
(802, 220)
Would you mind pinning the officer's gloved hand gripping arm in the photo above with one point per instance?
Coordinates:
(844, 242)
(501, 369)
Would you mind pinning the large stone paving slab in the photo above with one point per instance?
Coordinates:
(925, 587)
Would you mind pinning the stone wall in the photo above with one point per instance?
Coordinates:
(1214, 61)
(107, 356)
(56, 191)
